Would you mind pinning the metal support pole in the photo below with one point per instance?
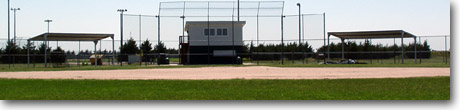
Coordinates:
(300, 24)
(328, 48)
(113, 50)
(233, 37)
(140, 30)
(372, 51)
(415, 48)
(445, 49)
(183, 34)
(394, 50)
(159, 29)
(402, 47)
(258, 11)
(95, 54)
(9, 34)
(14, 15)
(238, 9)
(121, 39)
(282, 39)
(324, 33)
(78, 55)
(419, 42)
(121, 33)
(9, 31)
(28, 53)
(46, 48)
(303, 39)
(343, 49)
(209, 33)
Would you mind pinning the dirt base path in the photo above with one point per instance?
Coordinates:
(208, 73)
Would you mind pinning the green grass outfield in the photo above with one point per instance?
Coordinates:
(432, 88)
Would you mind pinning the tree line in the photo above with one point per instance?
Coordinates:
(292, 51)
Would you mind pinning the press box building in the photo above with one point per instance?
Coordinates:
(221, 43)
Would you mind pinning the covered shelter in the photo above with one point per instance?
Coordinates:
(88, 37)
(383, 34)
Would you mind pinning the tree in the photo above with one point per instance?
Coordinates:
(160, 48)
(130, 47)
(146, 47)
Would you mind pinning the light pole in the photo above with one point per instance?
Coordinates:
(121, 30)
(9, 50)
(8, 22)
(300, 23)
(14, 10)
(48, 21)
(238, 10)
(46, 40)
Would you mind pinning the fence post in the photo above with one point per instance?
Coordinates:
(402, 47)
(28, 53)
(415, 48)
(445, 49)
(282, 39)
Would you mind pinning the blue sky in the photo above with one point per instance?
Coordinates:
(420, 17)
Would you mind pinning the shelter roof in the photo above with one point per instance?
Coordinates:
(372, 34)
(70, 37)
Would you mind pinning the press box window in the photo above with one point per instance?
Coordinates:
(206, 31)
(221, 32)
(212, 32)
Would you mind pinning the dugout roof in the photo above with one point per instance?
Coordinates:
(373, 34)
(70, 37)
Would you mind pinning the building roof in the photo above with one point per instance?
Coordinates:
(372, 34)
(70, 37)
(213, 23)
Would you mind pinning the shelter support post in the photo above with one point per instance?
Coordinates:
(402, 47)
(78, 56)
(28, 53)
(372, 52)
(46, 48)
(95, 53)
(394, 50)
(415, 49)
(328, 48)
(343, 49)
(445, 50)
(113, 50)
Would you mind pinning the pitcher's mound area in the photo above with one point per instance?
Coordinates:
(209, 73)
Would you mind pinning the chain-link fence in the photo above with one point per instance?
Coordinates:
(225, 32)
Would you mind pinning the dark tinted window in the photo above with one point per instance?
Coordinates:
(212, 32)
(206, 32)
(219, 32)
(224, 32)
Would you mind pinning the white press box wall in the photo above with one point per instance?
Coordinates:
(197, 37)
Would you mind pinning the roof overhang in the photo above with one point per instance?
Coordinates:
(372, 34)
(70, 37)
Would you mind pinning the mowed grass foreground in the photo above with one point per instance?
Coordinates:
(434, 88)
